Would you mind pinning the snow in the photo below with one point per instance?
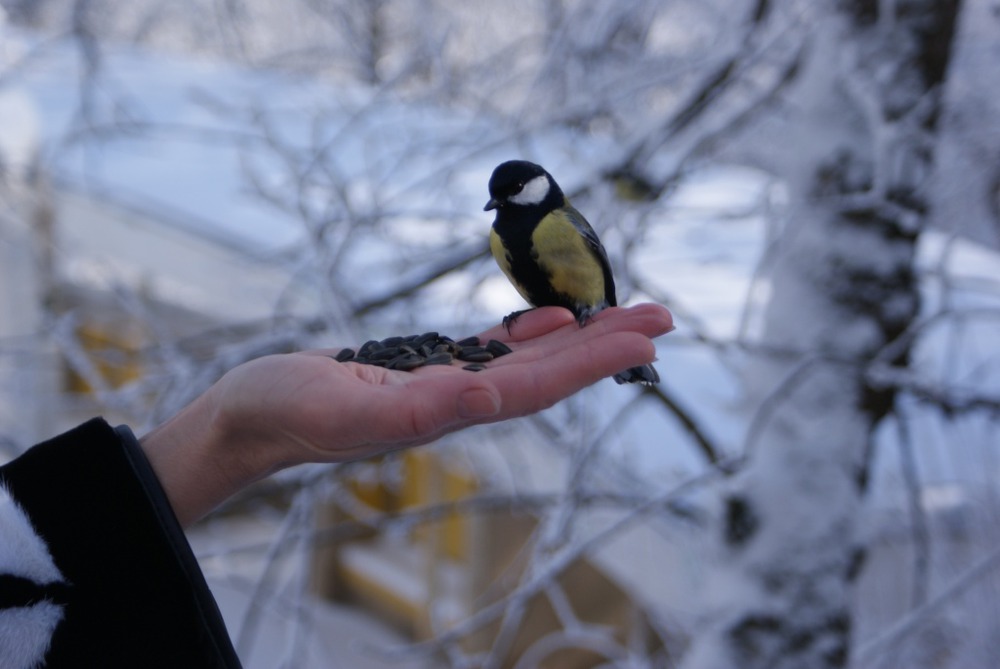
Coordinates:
(19, 128)
(190, 171)
(19, 132)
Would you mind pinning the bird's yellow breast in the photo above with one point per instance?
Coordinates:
(563, 253)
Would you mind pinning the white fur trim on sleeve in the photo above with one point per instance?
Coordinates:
(26, 631)
(22, 551)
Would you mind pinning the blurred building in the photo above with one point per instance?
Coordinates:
(469, 546)
(91, 289)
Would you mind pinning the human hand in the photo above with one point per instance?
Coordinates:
(283, 410)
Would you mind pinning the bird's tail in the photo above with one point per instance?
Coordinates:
(646, 375)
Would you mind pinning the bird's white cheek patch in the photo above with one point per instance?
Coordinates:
(533, 192)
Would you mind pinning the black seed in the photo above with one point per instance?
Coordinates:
(439, 359)
(405, 362)
(409, 352)
(475, 354)
(498, 348)
(425, 338)
(385, 353)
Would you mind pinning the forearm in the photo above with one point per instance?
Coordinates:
(282, 410)
(196, 462)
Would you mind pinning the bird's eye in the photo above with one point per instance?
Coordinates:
(518, 187)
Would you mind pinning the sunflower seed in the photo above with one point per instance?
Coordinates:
(344, 355)
(475, 354)
(409, 352)
(439, 359)
(385, 353)
(498, 348)
(405, 362)
(425, 338)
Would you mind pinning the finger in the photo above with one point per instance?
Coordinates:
(650, 320)
(538, 383)
(531, 324)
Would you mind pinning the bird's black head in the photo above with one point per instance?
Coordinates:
(520, 183)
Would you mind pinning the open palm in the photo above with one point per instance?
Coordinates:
(319, 409)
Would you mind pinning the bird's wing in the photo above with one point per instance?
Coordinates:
(594, 243)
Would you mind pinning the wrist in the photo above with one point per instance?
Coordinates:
(197, 461)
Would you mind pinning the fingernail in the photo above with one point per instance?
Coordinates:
(478, 403)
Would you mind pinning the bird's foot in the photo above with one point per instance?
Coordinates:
(585, 314)
(512, 317)
(645, 375)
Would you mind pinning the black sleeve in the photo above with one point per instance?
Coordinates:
(133, 595)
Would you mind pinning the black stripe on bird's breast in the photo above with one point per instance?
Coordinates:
(533, 280)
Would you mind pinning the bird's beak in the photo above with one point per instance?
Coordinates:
(492, 204)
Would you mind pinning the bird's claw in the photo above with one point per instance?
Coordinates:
(511, 318)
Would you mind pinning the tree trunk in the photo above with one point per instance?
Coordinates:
(857, 150)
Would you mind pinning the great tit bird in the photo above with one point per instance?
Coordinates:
(549, 251)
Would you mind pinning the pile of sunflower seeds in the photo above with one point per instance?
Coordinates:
(414, 351)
